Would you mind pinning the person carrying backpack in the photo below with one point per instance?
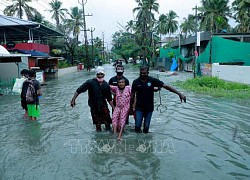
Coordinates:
(31, 90)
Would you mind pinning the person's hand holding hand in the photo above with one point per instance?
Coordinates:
(131, 110)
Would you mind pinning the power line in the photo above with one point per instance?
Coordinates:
(41, 4)
(6, 2)
(45, 2)
(70, 3)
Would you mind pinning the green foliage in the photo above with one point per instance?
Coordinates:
(171, 55)
(63, 64)
(216, 87)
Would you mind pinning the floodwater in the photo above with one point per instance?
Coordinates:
(206, 138)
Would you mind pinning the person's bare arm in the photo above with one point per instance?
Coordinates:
(39, 92)
(171, 89)
(111, 104)
(73, 101)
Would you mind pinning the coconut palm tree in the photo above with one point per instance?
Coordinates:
(58, 11)
(188, 25)
(130, 27)
(171, 22)
(145, 14)
(20, 8)
(214, 15)
(161, 25)
(76, 21)
(242, 14)
(145, 21)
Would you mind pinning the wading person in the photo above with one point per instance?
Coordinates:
(31, 91)
(24, 75)
(143, 89)
(114, 81)
(121, 110)
(98, 95)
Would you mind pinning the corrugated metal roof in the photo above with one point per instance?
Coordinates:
(12, 21)
(14, 29)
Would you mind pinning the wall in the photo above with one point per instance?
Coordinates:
(10, 70)
(239, 74)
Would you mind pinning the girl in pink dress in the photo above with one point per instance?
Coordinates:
(121, 110)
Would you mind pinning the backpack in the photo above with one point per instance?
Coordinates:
(30, 95)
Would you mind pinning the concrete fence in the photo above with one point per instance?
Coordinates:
(240, 74)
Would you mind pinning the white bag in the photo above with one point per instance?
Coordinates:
(17, 88)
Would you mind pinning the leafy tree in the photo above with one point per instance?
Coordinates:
(124, 45)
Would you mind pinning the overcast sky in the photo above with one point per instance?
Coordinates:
(106, 14)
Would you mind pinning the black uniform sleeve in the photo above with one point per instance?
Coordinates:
(157, 82)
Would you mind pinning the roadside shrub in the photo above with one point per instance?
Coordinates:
(63, 64)
(216, 87)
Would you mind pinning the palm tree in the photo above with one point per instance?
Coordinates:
(171, 22)
(130, 26)
(37, 18)
(242, 15)
(214, 14)
(20, 7)
(75, 22)
(188, 25)
(161, 25)
(57, 10)
(145, 21)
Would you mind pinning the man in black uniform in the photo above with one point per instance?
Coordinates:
(143, 88)
(119, 74)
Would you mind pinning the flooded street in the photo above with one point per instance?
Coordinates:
(206, 138)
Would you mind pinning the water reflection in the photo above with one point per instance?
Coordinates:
(132, 158)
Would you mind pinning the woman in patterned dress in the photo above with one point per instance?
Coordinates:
(121, 110)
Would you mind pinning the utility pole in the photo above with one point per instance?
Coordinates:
(92, 46)
(103, 48)
(153, 55)
(20, 10)
(195, 47)
(85, 32)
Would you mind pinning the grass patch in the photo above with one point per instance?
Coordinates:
(63, 64)
(216, 87)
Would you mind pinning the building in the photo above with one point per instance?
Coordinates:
(26, 45)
